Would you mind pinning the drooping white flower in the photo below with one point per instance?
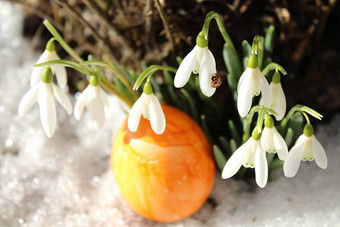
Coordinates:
(59, 70)
(251, 84)
(250, 155)
(199, 60)
(272, 141)
(306, 148)
(95, 98)
(278, 98)
(44, 93)
(148, 106)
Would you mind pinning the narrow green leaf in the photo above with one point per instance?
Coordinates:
(219, 157)
(233, 145)
(276, 164)
(225, 144)
(246, 53)
(193, 109)
(296, 122)
(232, 63)
(234, 132)
(246, 48)
(289, 136)
(269, 39)
(260, 51)
(206, 129)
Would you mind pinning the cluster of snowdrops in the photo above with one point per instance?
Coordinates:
(251, 154)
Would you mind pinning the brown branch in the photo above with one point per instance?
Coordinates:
(92, 5)
(96, 35)
(165, 23)
(148, 12)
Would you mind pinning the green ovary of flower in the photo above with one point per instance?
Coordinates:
(308, 131)
(47, 75)
(201, 41)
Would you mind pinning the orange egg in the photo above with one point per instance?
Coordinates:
(164, 177)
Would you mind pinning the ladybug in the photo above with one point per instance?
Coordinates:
(215, 80)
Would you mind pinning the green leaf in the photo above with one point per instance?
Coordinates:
(246, 53)
(232, 63)
(193, 109)
(276, 164)
(225, 144)
(289, 136)
(234, 132)
(233, 145)
(219, 157)
(260, 50)
(269, 40)
(206, 129)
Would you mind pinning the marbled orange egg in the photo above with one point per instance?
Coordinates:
(164, 177)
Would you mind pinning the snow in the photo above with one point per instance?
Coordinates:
(67, 180)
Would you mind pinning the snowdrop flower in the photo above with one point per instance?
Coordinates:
(251, 83)
(306, 148)
(199, 60)
(96, 101)
(59, 70)
(148, 106)
(251, 155)
(278, 98)
(272, 141)
(44, 93)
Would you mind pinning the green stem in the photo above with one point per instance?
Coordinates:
(149, 71)
(61, 41)
(306, 117)
(110, 87)
(260, 119)
(249, 120)
(213, 15)
(103, 81)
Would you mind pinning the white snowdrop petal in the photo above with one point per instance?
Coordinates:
(280, 144)
(292, 162)
(36, 75)
(47, 108)
(105, 99)
(157, 118)
(62, 99)
(235, 161)
(261, 166)
(81, 102)
(37, 71)
(207, 69)
(256, 76)
(319, 154)
(135, 114)
(97, 113)
(265, 89)
(244, 98)
(186, 67)
(61, 75)
(267, 139)
(28, 100)
(278, 100)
